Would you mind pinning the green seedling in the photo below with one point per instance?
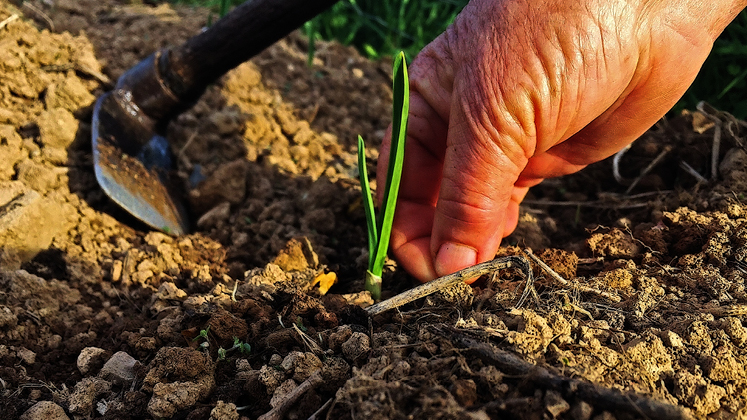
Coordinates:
(380, 226)
(203, 335)
(242, 347)
(311, 32)
(299, 324)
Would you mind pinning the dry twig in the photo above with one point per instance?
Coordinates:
(715, 151)
(6, 21)
(559, 279)
(529, 290)
(731, 310)
(539, 377)
(308, 341)
(40, 14)
(616, 165)
(443, 282)
(99, 76)
(690, 170)
(292, 397)
(83, 69)
(325, 407)
(610, 201)
(649, 168)
(720, 120)
(182, 152)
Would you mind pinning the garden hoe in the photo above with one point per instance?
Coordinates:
(131, 157)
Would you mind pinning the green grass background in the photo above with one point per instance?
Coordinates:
(383, 27)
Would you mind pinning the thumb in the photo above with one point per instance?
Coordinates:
(480, 167)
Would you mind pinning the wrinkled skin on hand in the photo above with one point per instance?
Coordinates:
(516, 91)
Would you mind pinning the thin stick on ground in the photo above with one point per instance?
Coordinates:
(182, 152)
(731, 310)
(690, 170)
(616, 165)
(446, 281)
(591, 204)
(649, 168)
(292, 397)
(40, 14)
(324, 408)
(6, 21)
(717, 117)
(715, 150)
(307, 341)
(528, 291)
(612, 201)
(559, 279)
(539, 377)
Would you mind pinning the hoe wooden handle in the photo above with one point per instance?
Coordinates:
(241, 34)
(170, 80)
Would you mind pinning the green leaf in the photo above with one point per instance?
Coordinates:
(732, 84)
(311, 32)
(368, 205)
(401, 107)
(224, 4)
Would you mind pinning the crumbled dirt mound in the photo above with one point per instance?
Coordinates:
(101, 318)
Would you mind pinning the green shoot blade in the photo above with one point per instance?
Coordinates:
(368, 204)
(401, 107)
(311, 32)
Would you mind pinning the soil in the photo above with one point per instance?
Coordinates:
(102, 318)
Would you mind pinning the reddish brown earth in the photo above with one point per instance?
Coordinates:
(101, 318)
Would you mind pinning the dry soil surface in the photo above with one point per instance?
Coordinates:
(102, 318)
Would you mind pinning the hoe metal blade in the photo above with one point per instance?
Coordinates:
(133, 174)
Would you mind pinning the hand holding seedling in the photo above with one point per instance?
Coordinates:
(516, 91)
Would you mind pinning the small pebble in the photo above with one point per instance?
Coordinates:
(356, 347)
(90, 359)
(46, 410)
(120, 368)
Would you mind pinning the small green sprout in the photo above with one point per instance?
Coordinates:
(311, 28)
(203, 335)
(242, 347)
(299, 324)
(380, 226)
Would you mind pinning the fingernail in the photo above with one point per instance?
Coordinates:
(453, 257)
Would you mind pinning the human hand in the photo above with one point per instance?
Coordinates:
(516, 91)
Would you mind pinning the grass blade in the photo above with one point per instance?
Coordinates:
(311, 32)
(368, 204)
(401, 107)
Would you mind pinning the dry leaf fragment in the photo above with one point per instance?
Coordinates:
(325, 281)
